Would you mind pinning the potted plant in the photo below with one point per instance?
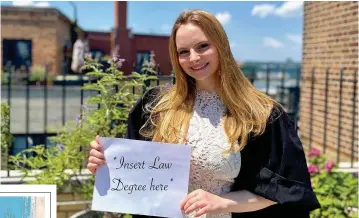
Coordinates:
(38, 75)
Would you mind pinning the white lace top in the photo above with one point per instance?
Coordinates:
(210, 170)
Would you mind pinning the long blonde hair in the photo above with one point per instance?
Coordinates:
(247, 107)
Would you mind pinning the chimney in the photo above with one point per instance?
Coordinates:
(121, 44)
(120, 14)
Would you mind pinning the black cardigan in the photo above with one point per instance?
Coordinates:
(273, 165)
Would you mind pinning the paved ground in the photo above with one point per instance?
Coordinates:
(37, 110)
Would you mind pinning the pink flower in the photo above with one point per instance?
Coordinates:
(313, 169)
(329, 166)
(314, 152)
(117, 61)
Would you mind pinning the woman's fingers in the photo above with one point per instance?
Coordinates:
(202, 211)
(189, 196)
(97, 154)
(190, 202)
(97, 139)
(92, 167)
(97, 161)
(195, 206)
(96, 145)
(96, 157)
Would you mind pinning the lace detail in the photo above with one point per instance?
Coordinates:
(210, 170)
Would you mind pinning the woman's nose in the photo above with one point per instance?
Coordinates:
(194, 57)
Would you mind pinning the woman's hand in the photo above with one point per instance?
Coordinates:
(204, 202)
(96, 158)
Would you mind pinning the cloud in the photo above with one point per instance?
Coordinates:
(24, 3)
(271, 42)
(297, 38)
(263, 10)
(224, 17)
(42, 4)
(287, 9)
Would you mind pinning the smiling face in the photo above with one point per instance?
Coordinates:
(197, 55)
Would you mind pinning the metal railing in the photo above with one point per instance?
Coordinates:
(340, 111)
(61, 94)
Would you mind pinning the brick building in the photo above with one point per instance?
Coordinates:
(33, 37)
(133, 47)
(38, 36)
(328, 106)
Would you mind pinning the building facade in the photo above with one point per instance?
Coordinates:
(34, 37)
(328, 106)
(39, 36)
(134, 48)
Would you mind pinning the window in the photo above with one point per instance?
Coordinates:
(19, 144)
(97, 54)
(141, 57)
(17, 53)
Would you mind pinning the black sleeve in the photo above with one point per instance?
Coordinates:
(274, 167)
(134, 121)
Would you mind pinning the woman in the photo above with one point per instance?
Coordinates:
(247, 160)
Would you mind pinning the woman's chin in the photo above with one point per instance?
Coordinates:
(204, 78)
(200, 75)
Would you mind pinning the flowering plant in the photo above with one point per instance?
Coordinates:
(336, 191)
(149, 66)
(62, 163)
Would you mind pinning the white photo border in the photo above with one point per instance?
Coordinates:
(48, 191)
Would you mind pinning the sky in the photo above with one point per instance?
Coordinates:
(258, 31)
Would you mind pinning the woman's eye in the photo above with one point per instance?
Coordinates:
(183, 52)
(203, 46)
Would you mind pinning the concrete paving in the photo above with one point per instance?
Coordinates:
(36, 113)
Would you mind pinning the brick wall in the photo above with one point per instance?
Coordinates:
(46, 27)
(330, 43)
(100, 40)
(126, 49)
(63, 36)
(159, 44)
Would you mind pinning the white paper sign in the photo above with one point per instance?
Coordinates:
(142, 177)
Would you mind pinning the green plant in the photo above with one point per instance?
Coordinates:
(39, 74)
(148, 66)
(336, 191)
(6, 71)
(6, 137)
(4, 77)
(61, 163)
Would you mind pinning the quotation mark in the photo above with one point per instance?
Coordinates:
(172, 180)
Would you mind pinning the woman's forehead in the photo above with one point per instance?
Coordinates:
(189, 35)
